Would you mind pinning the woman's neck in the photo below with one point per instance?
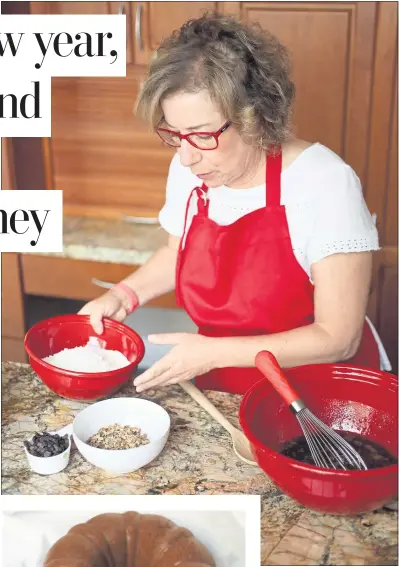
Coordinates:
(253, 168)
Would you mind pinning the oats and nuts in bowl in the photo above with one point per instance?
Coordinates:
(118, 437)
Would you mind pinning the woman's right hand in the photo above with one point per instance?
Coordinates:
(110, 304)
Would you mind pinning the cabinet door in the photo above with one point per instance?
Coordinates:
(12, 309)
(331, 46)
(152, 21)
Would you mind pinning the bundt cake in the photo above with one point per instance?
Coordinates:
(128, 540)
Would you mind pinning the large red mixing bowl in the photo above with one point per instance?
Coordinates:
(347, 399)
(68, 331)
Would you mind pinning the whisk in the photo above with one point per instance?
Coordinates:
(328, 449)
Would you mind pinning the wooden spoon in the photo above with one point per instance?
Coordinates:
(241, 444)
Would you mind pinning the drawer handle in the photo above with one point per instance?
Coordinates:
(140, 220)
(138, 27)
(101, 283)
(122, 12)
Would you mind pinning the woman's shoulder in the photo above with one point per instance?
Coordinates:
(312, 156)
(319, 182)
(318, 172)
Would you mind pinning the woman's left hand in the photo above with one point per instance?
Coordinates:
(191, 356)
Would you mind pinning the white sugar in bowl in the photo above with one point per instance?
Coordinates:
(151, 418)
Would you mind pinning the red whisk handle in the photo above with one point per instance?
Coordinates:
(270, 368)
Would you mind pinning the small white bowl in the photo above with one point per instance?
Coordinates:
(151, 418)
(49, 465)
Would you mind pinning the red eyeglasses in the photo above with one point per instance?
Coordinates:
(200, 140)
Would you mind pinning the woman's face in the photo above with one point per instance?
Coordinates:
(231, 162)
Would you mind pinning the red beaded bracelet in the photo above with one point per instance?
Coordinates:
(130, 294)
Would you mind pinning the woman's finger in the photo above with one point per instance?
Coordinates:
(120, 315)
(160, 380)
(156, 370)
(176, 380)
(96, 322)
(85, 309)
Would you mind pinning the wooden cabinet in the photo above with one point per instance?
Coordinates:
(331, 45)
(70, 278)
(153, 21)
(12, 303)
(12, 309)
(107, 162)
(147, 23)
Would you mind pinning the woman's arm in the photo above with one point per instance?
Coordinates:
(157, 276)
(154, 278)
(342, 283)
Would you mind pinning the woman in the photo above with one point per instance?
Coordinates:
(270, 240)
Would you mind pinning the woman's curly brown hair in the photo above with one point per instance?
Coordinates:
(245, 70)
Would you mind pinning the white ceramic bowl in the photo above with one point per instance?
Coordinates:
(49, 465)
(151, 418)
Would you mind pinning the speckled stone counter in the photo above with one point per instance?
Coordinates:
(109, 240)
(198, 459)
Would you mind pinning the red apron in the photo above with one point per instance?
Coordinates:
(243, 279)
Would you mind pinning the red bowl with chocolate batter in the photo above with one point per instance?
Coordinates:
(346, 398)
(68, 331)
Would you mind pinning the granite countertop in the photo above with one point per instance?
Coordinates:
(291, 534)
(109, 240)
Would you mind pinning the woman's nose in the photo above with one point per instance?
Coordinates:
(188, 154)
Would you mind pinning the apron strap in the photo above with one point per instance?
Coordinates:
(203, 199)
(202, 204)
(273, 179)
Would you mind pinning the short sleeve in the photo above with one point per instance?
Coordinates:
(179, 185)
(342, 222)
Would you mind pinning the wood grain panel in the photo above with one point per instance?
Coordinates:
(70, 278)
(7, 165)
(331, 46)
(13, 350)
(12, 307)
(160, 19)
(70, 7)
(103, 157)
(381, 127)
(360, 73)
(388, 313)
(230, 9)
(391, 202)
(317, 37)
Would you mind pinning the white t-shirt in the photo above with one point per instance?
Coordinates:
(326, 210)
